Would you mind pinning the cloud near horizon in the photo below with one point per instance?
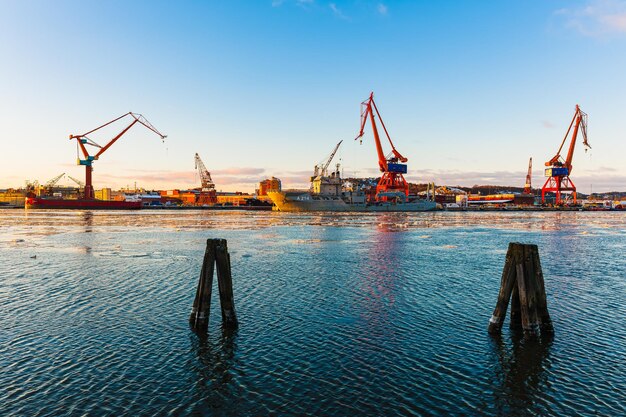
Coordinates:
(246, 176)
(246, 179)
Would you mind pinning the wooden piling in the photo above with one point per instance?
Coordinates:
(506, 286)
(516, 314)
(522, 282)
(545, 321)
(216, 253)
(225, 284)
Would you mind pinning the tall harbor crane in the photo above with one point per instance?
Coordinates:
(528, 188)
(83, 140)
(205, 175)
(322, 170)
(207, 196)
(392, 165)
(559, 170)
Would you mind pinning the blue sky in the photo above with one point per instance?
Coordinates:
(468, 90)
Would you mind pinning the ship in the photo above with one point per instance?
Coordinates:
(328, 193)
(80, 204)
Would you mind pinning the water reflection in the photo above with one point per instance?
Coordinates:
(215, 354)
(379, 277)
(392, 222)
(87, 221)
(521, 374)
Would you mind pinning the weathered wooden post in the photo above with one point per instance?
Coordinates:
(522, 281)
(225, 284)
(506, 286)
(216, 252)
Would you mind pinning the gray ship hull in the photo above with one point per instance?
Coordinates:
(306, 202)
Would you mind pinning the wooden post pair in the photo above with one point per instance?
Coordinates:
(522, 282)
(216, 253)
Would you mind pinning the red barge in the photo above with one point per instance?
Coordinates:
(80, 204)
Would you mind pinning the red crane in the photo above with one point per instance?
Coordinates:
(559, 170)
(392, 181)
(528, 188)
(83, 140)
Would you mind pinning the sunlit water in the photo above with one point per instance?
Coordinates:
(340, 314)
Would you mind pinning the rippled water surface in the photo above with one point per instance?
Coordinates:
(340, 314)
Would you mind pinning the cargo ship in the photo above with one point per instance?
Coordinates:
(327, 193)
(80, 204)
(303, 202)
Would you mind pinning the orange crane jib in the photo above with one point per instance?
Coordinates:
(83, 140)
(391, 166)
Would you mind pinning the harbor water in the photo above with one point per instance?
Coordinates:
(339, 314)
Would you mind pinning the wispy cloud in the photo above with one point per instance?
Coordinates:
(337, 9)
(547, 124)
(301, 3)
(596, 18)
(148, 178)
(337, 12)
(470, 178)
(238, 171)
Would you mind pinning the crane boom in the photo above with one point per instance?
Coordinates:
(368, 107)
(83, 140)
(205, 176)
(77, 181)
(53, 181)
(332, 155)
(579, 122)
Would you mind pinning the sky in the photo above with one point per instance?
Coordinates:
(469, 91)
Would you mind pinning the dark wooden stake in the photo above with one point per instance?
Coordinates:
(506, 286)
(542, 303)
(225, 283)
(522, 281)
(216, 252)
(516, 314)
